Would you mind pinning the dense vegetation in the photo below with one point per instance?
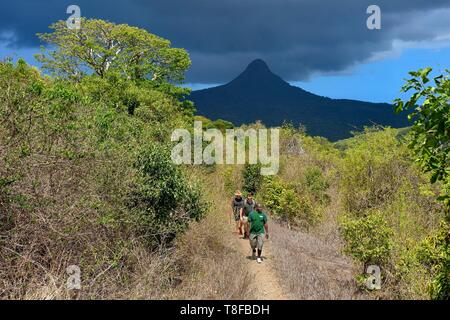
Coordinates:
(430, 142)
(86, 179)
(85, 173)
(385, 207)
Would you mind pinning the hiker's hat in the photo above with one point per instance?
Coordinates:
(238, 193)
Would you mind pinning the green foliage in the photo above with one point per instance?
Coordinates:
(232, 179)
(103, 47)
(434, 252)
(271, 195)
(372, 170)
(286, 204)
(316, 183)
(431, 129)
(220, 124)
(84, 175)
(430, 142)
(163, 199)
(368, 239)
(252, 177)
(379, 184)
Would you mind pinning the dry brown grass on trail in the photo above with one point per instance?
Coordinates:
(219, 263)
(310, 269)
(214, 268)
(265, 284)
(212, 265)
(311, 264)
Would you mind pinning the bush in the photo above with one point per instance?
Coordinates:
(372, 170)
(75, 189)
(286, 204)
(381, 185)
(316, 183)
(368, 239)
(434, 252)
(232, 179)
(163, 199)
(429, 141)
(252, 177)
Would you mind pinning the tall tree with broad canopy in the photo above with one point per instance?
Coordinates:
(101, 47)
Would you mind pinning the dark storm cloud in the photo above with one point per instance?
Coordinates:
(296, 37)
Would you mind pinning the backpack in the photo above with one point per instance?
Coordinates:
(249, 207)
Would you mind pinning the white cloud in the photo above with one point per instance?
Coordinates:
(433, 26)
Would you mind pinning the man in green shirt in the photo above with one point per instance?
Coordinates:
(258, 227)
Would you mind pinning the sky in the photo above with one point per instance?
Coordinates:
(323, 46)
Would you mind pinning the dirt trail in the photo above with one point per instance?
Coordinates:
(265, 284)
(311, 268)
(311, 263)
(303, 265)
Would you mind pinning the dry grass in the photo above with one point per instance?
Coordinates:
(213, 266)
(68, 218)
(311, 264)
(203, 264)
(311, 269)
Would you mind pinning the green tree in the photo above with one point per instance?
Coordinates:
(163, 199)
(368, 239)
(430, 136)
(431, 129)
(101, 47)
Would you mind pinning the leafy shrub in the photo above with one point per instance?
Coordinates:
(67, 182)
(368, 239)
(285, 203)
(252, 177)
(430, 133)
(316, 183)
(232, 179)
(372, 170)
(163, 199)
(429, 141)
(434, 252)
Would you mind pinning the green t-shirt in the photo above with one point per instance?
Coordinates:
(257, 221)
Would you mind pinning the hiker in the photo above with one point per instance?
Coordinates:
(258, 227)
(249, 206)
(237, 203)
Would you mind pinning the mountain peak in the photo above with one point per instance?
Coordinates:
(258, 75)
(259, 94)
(258, 65)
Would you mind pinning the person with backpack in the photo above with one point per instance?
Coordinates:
(237, 203)
(258, 230)
(249, 206)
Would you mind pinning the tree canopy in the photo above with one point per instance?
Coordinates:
(101, 47)
(431, 128)
(430, 137)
